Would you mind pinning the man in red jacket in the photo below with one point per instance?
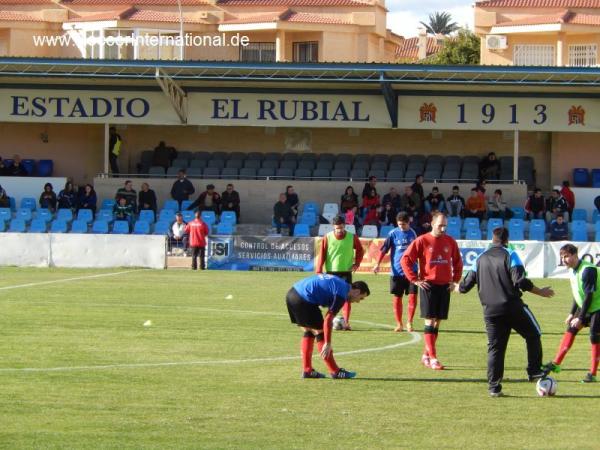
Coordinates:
(440, 268)
(198, 231)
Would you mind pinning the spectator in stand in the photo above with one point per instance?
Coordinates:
(456, 204)
(230, 201)
(394, 198)
(351, 218)
(17, 169)
(283, 215)
(67, 198)
(349, 200)
(163, 156)
(129, 194)
(569, 197)
(417, 188)
(435, 201)
(369, 186)
(292, 199)
(4, 171)
(497, 207)
(88, 198)
(177, 236)
(197, 231)
(489, 167)
(371, 204)
(114, 149)
(48, 198)
(535, 207)
(410, 202)
(481, 188)
(475, 206)
(422, 224)
(208, 200)
(557, 206)
(147, 198)
(182, 188)
(559, 229)
(4, 199)
(387, 216)
(597, 202)
(123, 211)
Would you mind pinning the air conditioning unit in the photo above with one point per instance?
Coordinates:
(495, 42)
(203, 15)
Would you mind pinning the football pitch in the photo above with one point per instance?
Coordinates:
(217, 366)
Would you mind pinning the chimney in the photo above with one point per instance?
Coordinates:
(422, 43)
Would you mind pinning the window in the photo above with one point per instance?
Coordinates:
(92, 44)
(534, 55)
(306, 52)
(116, 44)
(583, 55)
(258, 52)
(158, 45)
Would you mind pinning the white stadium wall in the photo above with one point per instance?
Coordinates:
(82, 250)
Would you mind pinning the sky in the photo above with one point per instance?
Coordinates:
(404, 16)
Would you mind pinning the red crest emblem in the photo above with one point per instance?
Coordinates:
(427, 112)
(576, 115)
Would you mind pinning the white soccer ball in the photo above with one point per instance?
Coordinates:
(546, 387)
(339, 323)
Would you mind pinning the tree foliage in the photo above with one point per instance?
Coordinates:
(463, 49)
(440, 23)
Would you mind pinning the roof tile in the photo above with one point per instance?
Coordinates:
(409, 49)
(355, 3)
(539, 4)
(12, 16)
(567, 17)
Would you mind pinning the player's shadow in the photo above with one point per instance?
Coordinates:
(425, 380)
(556, 397)
(451, 331)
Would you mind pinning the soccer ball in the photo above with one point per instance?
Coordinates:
(339, 323)
(546, 386)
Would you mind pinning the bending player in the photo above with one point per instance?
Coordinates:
(303, 301)
(584, 312)
(398, 241)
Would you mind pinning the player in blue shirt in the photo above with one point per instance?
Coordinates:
(303, 302)
(398, 241)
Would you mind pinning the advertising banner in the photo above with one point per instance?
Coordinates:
(263, 253)
(590, 251)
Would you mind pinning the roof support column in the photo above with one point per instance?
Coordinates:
(560, 44)
(174, 93)
(280, 55)
(391, 100)
(106, 149)
(516, 157)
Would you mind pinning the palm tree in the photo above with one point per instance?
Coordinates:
(440, 23)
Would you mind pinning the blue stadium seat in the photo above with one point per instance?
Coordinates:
(309, 218)
(518, 212)
(473, 234)
(493, 224)
(173, 205)
(453, 230)
(108, 203)
(579, 214)
(537, 230)
(106, 215)
(100, 226)
(58, 226)
(120, 227)
(385, 230)
(188, 216)
(166, 214)
(146, 215)
(28, 202)
(595, 178)
(29, 166)
(5, 215)
(311, 206)
(471, 222)
(209, 217)
(141, 227)
(79, 226)
(228, 217)
(161, 227)
(579, 231)
(25, 214)
(225, 229)
(65, 214)
(581, 177)
(17, 226)
(301, 230)
(596, 231)
(45, 214)
(595, 216)
(13, 204)
(455, 221)
(185, 204)
(86, 215)
(2, 226)
(45, 167)
(37, 226)
(516, 229)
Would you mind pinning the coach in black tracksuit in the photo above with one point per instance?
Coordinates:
(500, 278)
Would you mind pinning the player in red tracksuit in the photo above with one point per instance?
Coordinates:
(440, 268)
(198, 231)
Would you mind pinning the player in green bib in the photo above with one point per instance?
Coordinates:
(585, 283)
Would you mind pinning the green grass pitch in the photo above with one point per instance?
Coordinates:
(79, 370)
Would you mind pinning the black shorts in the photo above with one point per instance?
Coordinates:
(590, 320)
(302, 313)
(435, 302)
(347, 276)
(400, 286)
